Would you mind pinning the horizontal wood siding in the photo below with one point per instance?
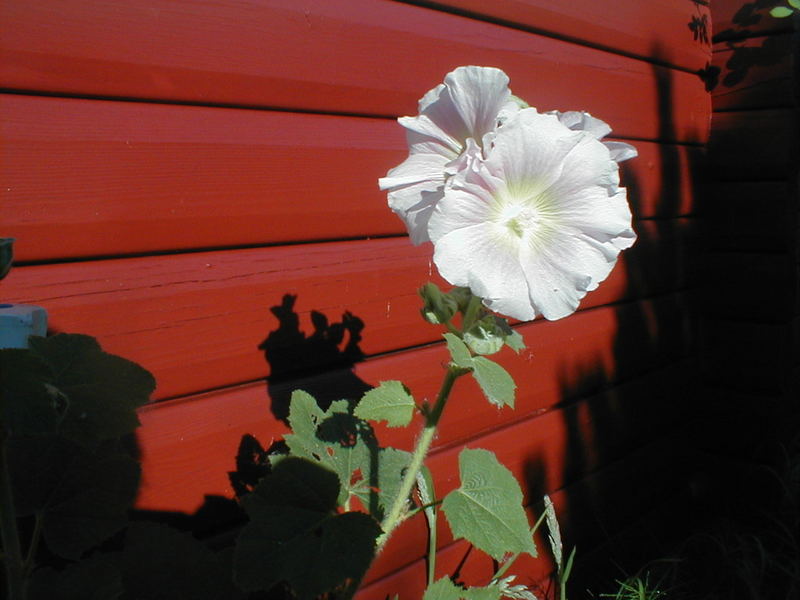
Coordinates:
(194, 183)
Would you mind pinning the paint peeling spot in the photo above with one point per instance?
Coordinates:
(388, 308)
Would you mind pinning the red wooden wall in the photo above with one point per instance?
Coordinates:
(750, 300)
(173, 169)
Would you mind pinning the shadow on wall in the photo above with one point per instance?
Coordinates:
(627, 465)
(323, 360)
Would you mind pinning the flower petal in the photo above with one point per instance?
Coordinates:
(478, 94)
(583, 121)
(560, 272)
(529, 150)
(621, 151)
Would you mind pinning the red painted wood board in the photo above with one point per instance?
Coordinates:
(537, 442)
(753, 145)
(564, 360)
(745, 18)
(118, 178)
(750, 216)
(367, 57)
(196, 320)
(658, 29)
(753, 287)
(753, 73)
(103, 172)
(751, 356)
(591, 511)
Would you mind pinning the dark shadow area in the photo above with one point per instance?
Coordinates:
(625, 455)
(749, 15)
(667, 464)
(320, 363)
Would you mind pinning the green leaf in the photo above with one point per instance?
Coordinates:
(346, 444)
(487, 509)
(82, 495)
(554, 532)
(28, 405)
(161, 563)
(91, 579)
(795, 4)
(390, 402)
(459, 352)
(295, 535)
(445, 589)
(343, 449)
(392, 464)
(101, 390)
(780, 12)
(497, 385)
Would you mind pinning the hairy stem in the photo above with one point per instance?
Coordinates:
(395, 514)
(15, 568)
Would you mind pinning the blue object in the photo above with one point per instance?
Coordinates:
(18, 321)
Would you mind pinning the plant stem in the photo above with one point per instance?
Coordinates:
(395, 514)
(15, 575)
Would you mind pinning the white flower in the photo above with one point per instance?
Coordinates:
(454, 116)
(537, 222)
(583, 121)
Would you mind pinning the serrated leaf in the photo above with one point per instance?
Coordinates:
(515, 341)
(82, 495)
(342, 450)
(392, 464)
(390, 401)
(554, 532)
(102, 391)
(346, 444)
(295, 535)
(495, 382)
(487, 509)
(459, 353)
(781, 12)
(160, 563)
(445, 589)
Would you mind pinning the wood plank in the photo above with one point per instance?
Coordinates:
(750, 216)
(750, 356)
(590, 511)
(753, 73)
(196, 320)
(656, 30)
(546, 452)
(366, 57)
(118, 178)
(753, 145)
(738, 19)
(564, 361)
(762, 287)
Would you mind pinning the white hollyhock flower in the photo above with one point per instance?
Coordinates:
(452, 116)
(583, 121)
(535, 224)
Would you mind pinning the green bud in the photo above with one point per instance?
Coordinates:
(438, 308)
(462, 297)
(489, 334)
